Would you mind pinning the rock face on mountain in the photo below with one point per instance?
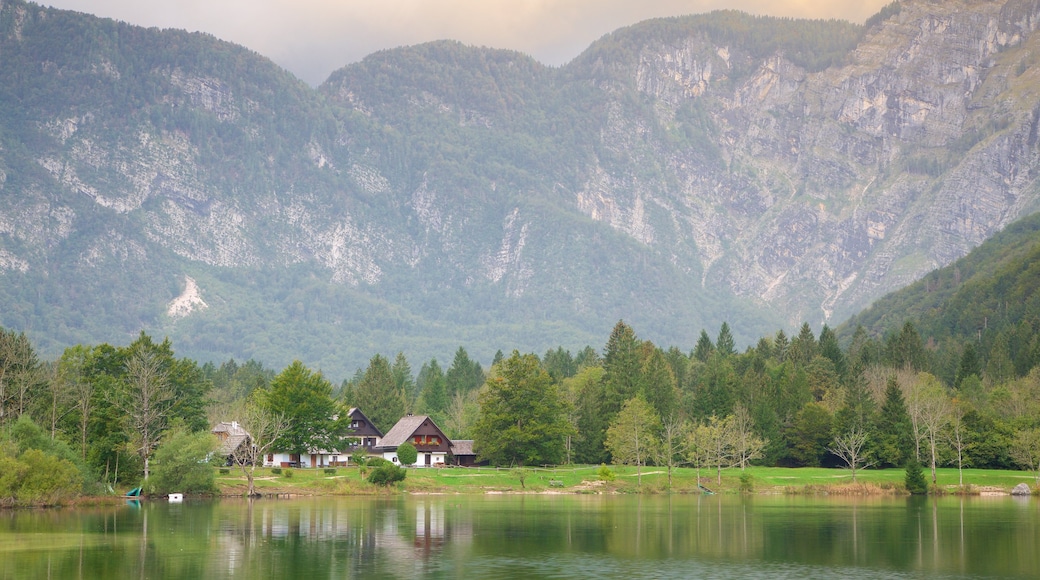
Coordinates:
(678, 174)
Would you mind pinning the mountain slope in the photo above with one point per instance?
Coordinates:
(678, 174)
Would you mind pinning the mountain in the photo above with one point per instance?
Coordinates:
(989, 299)
(679, 173)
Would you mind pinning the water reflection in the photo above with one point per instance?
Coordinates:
(527, 536)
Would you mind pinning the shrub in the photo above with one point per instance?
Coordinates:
(915, 481)
(377, 462)
(605, 473)
(386, 475)
(407, 454)
(180, 464)
(276, 470)
(330, 471)
(48, 479)
(747, 483)
(288, 473)
(224, 471)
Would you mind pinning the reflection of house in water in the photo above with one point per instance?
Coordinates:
(429, 526)
(354, 537)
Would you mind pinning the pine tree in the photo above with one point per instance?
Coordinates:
(969, 365)
(659, 388)
(378, 396)
(704, 348)
(724, 345)
(621, 369)
(780, 346)
(893, 432)
(402, 372)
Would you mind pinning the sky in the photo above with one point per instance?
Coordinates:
(312, 38)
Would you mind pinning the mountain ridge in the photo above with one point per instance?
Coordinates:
(438, 195)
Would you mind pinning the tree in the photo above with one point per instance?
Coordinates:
(803, 347)
(724, 344)
(969, 365)
(407, 454)
(933, 410)
(892, 430)
(958, 437)
(715, 441)
(19, 374)
(914, 478)
(746, 445)
(464, 375)
(632, 435)
(264, 427)
(810, 435)
(433, 391)
(906, 349)
(523, 418)
(180, 463)
(146, 402)
(387, 475)
(403, 380)
(849, 446)
(378, 395)
(460, 414)
(658, 382)
(704, 348)
(1025, 450)
(673, 444)
(305, 400)
(621, 369)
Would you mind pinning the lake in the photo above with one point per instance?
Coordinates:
(529, 536)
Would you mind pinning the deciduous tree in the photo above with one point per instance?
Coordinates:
(523, 418)
(632, 435)
(305, 399)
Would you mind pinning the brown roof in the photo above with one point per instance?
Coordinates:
(462, 447)
(404, 429)
(235, 436)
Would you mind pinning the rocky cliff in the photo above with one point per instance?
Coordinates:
(678, 174)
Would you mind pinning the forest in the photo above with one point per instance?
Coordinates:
(102, 417)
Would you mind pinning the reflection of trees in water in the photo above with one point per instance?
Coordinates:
(417, 536)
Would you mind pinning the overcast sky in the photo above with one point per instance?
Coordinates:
(312, 38)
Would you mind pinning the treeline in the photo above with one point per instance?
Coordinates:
(102, 416)
(96, 417)
(787, 401)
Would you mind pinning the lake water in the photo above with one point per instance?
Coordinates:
(536, 536)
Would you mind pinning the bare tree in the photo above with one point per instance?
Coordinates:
(933, 410)
(145, 401)
(19, 373)
(62, 396)
(746, 445)
(459, 417)
(956, 436)
(673, 444)
(715, 439)
(262, 428)
(849, 447)
(1025, 450)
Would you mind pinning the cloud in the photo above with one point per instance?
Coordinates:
(312, 38)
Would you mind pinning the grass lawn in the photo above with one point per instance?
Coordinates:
(585, 479)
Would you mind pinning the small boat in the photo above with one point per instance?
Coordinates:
(135, 492)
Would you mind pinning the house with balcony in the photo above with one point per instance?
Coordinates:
(420, 430)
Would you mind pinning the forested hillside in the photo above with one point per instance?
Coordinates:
(678, 174)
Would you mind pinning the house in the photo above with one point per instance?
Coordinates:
(462, 453)
(368, 434)
(431, 443)
(232, 438)
(361, 433)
